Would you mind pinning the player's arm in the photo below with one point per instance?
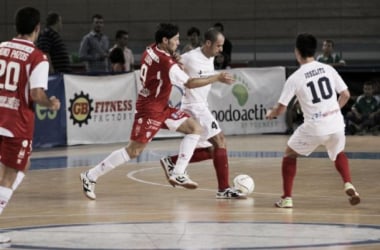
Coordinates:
(39, 96)
(223, 77)
(277, 110)
(344, 96)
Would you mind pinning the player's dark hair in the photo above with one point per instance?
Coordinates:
(26, 20)
(52, 18)
(306, 45)
(120, 34)
(211, 35)
(167, 30)
(193, 30)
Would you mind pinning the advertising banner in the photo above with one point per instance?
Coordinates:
(100, 109)
(50, 126)
(240, 108)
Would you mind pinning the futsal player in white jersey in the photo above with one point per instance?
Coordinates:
(199, 62)
(316, 86)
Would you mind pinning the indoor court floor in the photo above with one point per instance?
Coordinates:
(137, 209)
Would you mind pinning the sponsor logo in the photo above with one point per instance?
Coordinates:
(80, 109)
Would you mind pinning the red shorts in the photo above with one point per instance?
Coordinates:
(146, 125)
(15, 152)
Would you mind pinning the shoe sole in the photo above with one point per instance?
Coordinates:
(185, 185)
(354, 196)
(279, 206)
(84, 192)
(166, 173)
(232, 198)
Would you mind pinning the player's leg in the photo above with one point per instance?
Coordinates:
(141, 128)
(299, 144)
(335, 145)
(12, 163)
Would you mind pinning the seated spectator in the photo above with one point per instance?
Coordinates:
(117, 60)
(328, 56)
(51, 43)
(193, 35)
(121, 41)
(365, 113)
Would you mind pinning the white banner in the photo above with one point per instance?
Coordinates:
(100, 109)
(240, 108)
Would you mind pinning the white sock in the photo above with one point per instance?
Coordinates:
(115, 159)
(18, 180)
(186, 150)
(5, 196)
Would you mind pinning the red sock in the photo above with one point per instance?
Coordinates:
(341, 164)
(220, 160)
(289, 169)
(200, 154)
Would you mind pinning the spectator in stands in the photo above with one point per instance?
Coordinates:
(51, 43)
(193, 35)
(94, 47)
(121, 41)
(223, 61)
(329, 56)
(365, 113)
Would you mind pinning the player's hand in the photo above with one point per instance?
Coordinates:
(270, 114)
(55, 103)
(225, 77)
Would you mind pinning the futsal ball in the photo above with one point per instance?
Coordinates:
(244, 183)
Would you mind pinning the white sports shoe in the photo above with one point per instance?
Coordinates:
(88, 186)
(4, 239)
(182, 180)
(286, 202)
(230, 193)
(168, 167)
(351, 192)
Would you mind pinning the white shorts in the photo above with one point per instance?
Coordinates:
(208, 122)
(305, 144)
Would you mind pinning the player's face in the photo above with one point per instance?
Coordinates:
(172, 44)
(217, 46)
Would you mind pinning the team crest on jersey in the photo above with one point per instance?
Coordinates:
(80, 109)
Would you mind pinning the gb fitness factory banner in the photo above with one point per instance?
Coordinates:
(99, 109)
(240, 108)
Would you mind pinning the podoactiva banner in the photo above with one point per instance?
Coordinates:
(240, 108)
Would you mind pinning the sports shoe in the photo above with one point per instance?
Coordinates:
(4, 239)
(286, 202)
(88, 186)
(230, 193)
(168, 167)
(351, 192)
(182, 180)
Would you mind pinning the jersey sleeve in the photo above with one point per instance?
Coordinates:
(177, 76)
(39, 76)
(340, 85)
(288, 92)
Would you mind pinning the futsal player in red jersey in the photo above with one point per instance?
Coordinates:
(159, 71)
(24, 73)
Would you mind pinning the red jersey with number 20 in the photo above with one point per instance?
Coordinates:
(22, 67)
(157, 81)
